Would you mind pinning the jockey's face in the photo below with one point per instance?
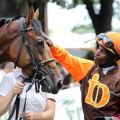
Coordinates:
(101, 56)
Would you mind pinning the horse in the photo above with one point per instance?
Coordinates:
(21, 42)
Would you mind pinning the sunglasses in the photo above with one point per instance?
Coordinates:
(107, 43)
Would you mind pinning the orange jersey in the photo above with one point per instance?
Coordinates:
(77, 67)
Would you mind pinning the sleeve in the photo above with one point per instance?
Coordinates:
(2, 74)
(77, 67)
(5, 85)
(51, 96)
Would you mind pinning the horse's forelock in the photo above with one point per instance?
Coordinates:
(37, 25)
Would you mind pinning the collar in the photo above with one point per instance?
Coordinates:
(105, 70)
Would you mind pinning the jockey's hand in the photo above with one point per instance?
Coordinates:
(18, 88)
(48, 41)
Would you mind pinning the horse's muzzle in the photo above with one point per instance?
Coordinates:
(51, 85)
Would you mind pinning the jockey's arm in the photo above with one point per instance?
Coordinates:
(77, 67)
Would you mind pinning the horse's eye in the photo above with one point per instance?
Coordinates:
(40, 42)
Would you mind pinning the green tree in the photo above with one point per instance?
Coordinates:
(21, 7)
(101, 19)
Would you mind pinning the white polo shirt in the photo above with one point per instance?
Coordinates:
(2, 74)
(36, 102)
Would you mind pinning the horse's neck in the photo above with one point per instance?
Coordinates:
(7, 34)
(8, 31)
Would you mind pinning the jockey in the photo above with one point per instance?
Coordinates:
(99, 79)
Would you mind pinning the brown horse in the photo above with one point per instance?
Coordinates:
(21, 41)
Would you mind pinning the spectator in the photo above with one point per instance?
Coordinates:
(39, 106)
(5, 67)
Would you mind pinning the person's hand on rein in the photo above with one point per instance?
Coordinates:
(18, 88)
(29, 115)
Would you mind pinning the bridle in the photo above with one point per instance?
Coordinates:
(38, 67)
(35, 64)
(38, 75)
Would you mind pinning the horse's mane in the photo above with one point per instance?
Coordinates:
(35, 23)
(5, 20)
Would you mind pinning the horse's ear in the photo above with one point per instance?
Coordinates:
(29, 17)
(36, 14)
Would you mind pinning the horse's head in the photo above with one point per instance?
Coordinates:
(21, 42)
